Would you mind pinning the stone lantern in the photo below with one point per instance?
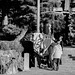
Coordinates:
(5, 22)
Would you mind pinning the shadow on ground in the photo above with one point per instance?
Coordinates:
(45, 68)
(72, 57)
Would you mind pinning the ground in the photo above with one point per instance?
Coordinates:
(67, 67)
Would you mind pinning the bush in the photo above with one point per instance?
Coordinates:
(11, 45)
(4, 46)
(12, 29)
(16, 46)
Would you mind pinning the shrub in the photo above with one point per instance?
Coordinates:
(11, 45)
(4, 46)
(16, 46)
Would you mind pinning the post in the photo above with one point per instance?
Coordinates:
(38, 16)
(36, 62)
(26, 61)
(67, 5)
(53, 22)
(38, 25)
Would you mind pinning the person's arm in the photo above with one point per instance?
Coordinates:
(53, 52)
(62, 45)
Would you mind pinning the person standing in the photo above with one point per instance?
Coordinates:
(50, 51)
(61, 42)
(56, 56)
(28, 48)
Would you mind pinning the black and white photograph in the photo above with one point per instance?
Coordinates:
(37, 37)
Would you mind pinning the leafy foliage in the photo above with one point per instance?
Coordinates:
(12, 29)
(55, 19)
(6, 45)
(59, 24)
(20, 13)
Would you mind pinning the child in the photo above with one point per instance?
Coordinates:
(56, 56)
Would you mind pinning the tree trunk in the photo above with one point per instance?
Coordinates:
(19, 37)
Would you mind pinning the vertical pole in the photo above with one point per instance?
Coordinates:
(36, 62)
(67, 4)
(26, 61)
(38, 16)
(70, 9)
(38, 25)
(53, 22)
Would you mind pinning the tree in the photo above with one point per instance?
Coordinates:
(20, 13)
(55, 19)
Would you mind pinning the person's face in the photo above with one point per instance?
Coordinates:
(60, 38)
(58, 42)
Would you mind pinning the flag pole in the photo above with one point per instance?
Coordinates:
(38, 26)
(38, 16)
